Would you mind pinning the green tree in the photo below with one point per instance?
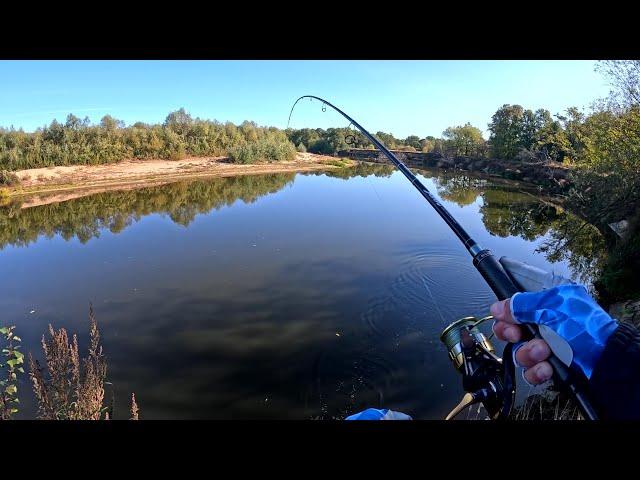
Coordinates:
(506, 127)
(110, 124)
(388, 139)
(625, 80)
(463, 140)
(550, 140)
(413, 141)
(178, 121)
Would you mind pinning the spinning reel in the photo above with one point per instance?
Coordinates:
(487, 378)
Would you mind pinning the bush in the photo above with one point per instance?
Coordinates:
(301, 148)
(81, 143)
(271, 147)
(526, 156)
(178, 153)
(243, 154)
(619, 278)
(9, 179)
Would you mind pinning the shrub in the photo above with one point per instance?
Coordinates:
(244, 153)
(271, 147)
(81, 143)
(178, 153)
(9, 179)
(619, 278)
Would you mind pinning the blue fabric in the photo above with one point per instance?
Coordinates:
(369, 414)
(571, 312)
(375, 414)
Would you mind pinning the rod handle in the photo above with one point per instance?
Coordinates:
(495, 275)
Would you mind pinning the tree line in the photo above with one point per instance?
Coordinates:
(79, 142)
(462, 140)
(516, 134)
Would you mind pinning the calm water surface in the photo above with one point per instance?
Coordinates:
(278, 296)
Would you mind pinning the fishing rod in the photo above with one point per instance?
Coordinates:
(487, 379)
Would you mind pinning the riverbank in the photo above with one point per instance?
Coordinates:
(67, 182)
(551, 176)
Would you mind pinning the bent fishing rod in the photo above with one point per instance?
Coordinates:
(487, 379)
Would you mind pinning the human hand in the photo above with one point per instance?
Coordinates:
(570, 312)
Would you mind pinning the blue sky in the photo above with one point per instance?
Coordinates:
(401, 97)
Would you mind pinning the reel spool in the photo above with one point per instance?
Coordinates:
(486, 378)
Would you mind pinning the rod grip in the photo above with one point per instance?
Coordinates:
(495, 275)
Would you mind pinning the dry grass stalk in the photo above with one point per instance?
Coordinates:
(134, 407)
(64, 392)
(546, 406)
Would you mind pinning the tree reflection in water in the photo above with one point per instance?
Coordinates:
(506, 209)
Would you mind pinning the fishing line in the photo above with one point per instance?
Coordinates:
(374, 189)
(435, 303)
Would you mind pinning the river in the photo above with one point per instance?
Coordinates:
(293, 296)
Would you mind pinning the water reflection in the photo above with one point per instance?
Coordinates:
(271, 296)
(84, 218)
(508, 210)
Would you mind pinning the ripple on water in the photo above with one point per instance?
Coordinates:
(432, 288)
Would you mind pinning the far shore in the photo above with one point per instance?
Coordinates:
(55, 184)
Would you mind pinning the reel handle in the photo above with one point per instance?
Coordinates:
(467, 400)
(500, 282)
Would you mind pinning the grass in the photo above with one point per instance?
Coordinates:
(68, 387)
(340, 162)
(548, 405)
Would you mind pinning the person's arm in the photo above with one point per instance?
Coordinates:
(615, 383)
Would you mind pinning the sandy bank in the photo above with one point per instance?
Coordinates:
(54, 184)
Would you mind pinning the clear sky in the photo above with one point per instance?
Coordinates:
(401, 97)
